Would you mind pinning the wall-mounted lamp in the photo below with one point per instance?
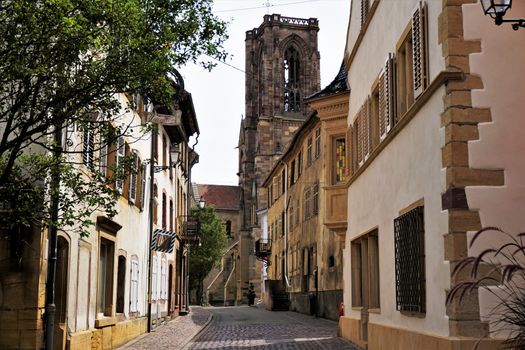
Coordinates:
(497, 9)
(202, 203)
(174, 155)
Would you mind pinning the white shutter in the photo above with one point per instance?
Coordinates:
(88, 145)
(419, 49)
(154, 279)
(163, 279)
(134, 286)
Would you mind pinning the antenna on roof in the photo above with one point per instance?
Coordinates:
(268, 5)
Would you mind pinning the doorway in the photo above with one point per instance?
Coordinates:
(121, 283)
(170, 289)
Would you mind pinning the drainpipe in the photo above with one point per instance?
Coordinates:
(286, 205)
(150, 219)
(52, 241)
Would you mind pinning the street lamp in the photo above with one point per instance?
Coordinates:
(202, 203)
(174, 156)
(497, 9)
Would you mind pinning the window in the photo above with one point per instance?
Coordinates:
(299, 163)
(412, 61)
(121, 153)
(409, 246)
(164, 211)
(291, 217)
(316, 199)
(155, 202)
(279, 184)
(134, 286)
(306, 204)
(228, 228)
(365, 271)
(331, 261)
(340, 169)
(143, 186)
(317, 142)
(283, 223)
(309, 152)
(154, 278)
(292, 91)
(283, 182)
(88, 145)
(164, 151)
(171, 215)
(105, 277)
(297, 213)
(133, 178)
(386, 97)
(121, 283)
(292, 173)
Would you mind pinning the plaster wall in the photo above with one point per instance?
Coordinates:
(407, 170)
(501, 144)
(382, 34)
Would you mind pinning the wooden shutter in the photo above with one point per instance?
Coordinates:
(368, 128)
(419, 49)
(386, 97)
(138, 183)
(88, 145)
(135, 171)
(365, 5)
(126, 189)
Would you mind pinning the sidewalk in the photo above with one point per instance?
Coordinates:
(183, 329)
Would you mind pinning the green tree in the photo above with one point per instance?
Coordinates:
(207, 255)
(64, 61)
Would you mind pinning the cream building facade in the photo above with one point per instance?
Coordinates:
(435, 155)
(101, 284)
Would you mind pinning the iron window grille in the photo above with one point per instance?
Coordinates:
(410, 261)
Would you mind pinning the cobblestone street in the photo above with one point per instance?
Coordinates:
(255, 328)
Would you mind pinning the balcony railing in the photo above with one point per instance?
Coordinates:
(263, 248)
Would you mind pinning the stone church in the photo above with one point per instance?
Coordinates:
(282, 67)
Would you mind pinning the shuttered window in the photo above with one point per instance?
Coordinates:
(316, 199)
(365, 271)
(386, 98)
(154, 278)
(409, 246)
(143, 187)
(88, 145)
(317, 142)
(133, 177)
(419, 49)
(121, 153)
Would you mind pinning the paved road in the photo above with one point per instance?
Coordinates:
(254, 328)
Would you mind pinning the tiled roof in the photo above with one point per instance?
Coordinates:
(223, 197)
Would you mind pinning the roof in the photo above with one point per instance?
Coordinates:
(221, 196)
(337, 85)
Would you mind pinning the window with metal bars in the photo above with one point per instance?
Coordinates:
(409, 247)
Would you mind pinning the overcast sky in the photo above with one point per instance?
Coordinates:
(218, 96)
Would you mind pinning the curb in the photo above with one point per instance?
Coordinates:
(190, 341)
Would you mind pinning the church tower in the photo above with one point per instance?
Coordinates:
(282, 68)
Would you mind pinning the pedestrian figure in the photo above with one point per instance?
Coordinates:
(311, 297)
(251, 294)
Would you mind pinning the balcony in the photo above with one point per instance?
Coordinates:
(263, 249)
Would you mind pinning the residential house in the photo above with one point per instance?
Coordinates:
(434, 123)
(306, 216)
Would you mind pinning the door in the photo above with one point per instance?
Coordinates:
(61, 278)
(170, 289)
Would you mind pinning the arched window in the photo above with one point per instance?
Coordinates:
(292, 91)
